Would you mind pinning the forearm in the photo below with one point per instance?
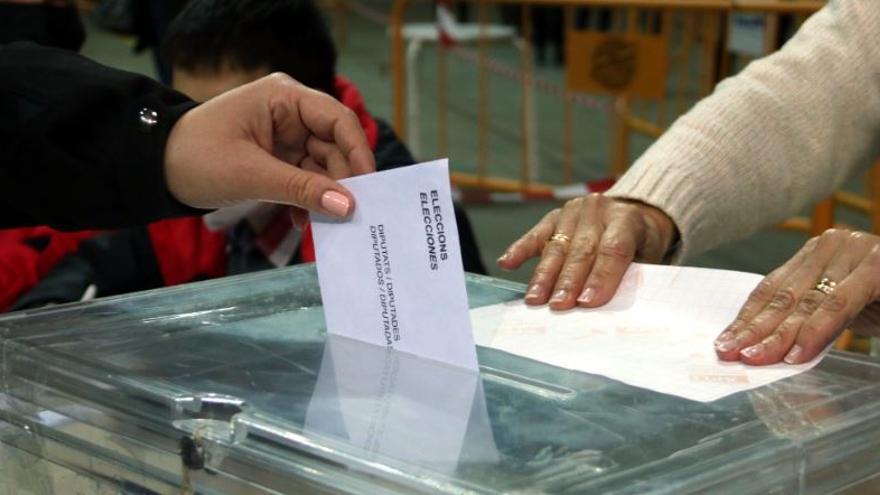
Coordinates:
(82, 145)
(782, 134)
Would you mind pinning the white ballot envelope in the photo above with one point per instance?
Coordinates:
(392, 275)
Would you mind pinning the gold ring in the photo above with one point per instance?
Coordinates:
(561, 238)
(826, 286)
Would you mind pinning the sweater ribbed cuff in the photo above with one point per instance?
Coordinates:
(678, 191)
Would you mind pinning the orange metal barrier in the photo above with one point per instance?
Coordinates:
(700, 27)
(702, 21)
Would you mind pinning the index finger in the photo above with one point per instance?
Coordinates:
(329, 120)
(531, 243)
(616, 251)
(580, 256)
(327, 157)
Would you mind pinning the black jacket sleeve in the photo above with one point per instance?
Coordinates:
(82, 145)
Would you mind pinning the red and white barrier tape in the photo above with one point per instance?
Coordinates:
(369, 13)
(445, 23)
(562, 193)
(507, 71)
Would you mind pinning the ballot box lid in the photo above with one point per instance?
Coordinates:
(232, 386)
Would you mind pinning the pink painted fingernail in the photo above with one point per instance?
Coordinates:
(559, 296)
(504, 257)
(794, 355)
(725, 337)
(727, 345)
(753, 351)
(335, 203)
(587, 295)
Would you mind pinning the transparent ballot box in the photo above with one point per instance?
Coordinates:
(232, 386)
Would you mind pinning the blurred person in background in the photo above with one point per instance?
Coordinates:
(150, 22)
(548, 30)
(548, 35)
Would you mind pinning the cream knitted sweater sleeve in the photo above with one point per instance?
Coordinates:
(775, 138)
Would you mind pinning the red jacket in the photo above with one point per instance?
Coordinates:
(28, 254)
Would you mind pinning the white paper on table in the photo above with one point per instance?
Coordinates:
(392, 274)
(656, 333)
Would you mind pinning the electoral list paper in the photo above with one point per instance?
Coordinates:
(656, 333)
(392, 275)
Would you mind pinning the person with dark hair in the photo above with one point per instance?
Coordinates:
(548, 34)
(215, 46)
(210, 39)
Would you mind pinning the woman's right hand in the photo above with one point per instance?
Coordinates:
(586, 247)
(271, 140)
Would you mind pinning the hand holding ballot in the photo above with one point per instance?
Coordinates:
(289, 144)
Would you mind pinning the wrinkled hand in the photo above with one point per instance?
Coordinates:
(271, 140)
(788, 318)
(605, 236)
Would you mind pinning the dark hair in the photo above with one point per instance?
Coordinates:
(288, 36)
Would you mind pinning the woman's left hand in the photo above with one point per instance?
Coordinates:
(801, 307)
